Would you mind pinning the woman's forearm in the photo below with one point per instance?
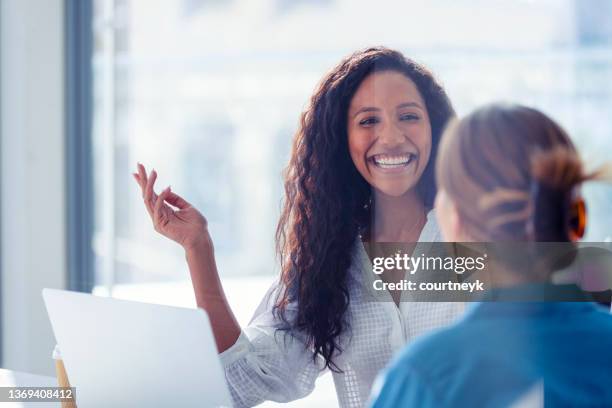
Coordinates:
(209, 294)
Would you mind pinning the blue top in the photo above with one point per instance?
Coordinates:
(500, 351)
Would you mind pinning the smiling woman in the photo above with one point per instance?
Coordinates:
(361, 169)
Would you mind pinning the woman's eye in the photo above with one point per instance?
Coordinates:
(369, 121)
(409, 117)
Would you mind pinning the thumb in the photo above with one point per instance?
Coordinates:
(177, 201)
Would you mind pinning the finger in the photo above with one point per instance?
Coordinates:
(143, 186)
(140, 182)
(148, 193)
(177, 201)
(142, 173)
(137, 178)
(159, 216)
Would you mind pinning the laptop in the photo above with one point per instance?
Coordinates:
(120, 353)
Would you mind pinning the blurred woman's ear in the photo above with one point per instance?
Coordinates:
(448, 218)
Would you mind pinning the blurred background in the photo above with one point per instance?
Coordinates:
(209, 92)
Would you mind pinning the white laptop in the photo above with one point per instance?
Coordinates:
(119, 353)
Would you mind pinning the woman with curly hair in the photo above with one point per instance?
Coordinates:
(361, 169)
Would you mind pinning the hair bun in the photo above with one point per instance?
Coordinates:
(559, 168)
(554, 176)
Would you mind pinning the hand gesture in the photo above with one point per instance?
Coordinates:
(172, 216)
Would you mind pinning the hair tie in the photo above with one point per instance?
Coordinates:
(577, 218)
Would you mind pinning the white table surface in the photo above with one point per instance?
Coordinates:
(9, 378)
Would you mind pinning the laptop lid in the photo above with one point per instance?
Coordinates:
(123, 353)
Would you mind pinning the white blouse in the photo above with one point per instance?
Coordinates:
(265, 364)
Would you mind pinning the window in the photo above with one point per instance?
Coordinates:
(209, 93)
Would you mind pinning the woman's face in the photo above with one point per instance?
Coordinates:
(389, 134)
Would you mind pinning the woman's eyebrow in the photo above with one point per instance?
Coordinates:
(366, 109)
(409, 105)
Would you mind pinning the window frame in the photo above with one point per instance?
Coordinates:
(79, 162)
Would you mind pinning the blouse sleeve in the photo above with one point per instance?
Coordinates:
(268, 364)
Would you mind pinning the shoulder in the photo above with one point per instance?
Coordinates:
(603, 313)
(599, 320)
(420, 374)
(434, 355)
(417, 376)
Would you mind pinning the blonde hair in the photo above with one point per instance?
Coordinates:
(512, 173)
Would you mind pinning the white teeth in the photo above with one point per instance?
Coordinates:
(386, 161)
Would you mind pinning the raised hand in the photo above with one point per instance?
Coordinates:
(172, 216)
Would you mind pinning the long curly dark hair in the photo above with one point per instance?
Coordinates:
(327, 202)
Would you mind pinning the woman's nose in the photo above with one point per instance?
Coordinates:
(391, 135)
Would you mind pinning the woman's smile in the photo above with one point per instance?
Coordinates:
(393, 163)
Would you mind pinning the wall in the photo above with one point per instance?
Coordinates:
(32, 177)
